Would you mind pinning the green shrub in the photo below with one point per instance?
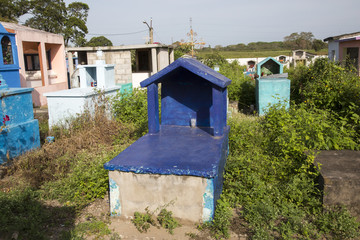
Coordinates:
(337, 223)
(303, 128)
(242, 87)
(326, 85)
(167, 221)
(86, 181)
(220, 226)
(143, 221)
(131, 108)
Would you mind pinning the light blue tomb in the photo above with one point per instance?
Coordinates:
(272, 86)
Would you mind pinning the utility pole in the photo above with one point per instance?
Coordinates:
(151, 31)
(192, 42)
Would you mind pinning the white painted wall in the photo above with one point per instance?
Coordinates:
(139, 77)
(66, 104)
(333, 50)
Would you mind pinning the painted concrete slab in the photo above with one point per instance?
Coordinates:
(177, 150)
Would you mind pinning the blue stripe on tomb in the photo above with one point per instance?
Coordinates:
(209, 204)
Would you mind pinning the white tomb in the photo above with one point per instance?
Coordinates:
(65, 104)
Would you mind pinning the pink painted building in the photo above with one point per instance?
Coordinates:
(41, 60)
(345, 47)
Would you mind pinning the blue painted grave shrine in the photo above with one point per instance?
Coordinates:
(181, 160)
(9, 62)
(272, 86)
(19, 131)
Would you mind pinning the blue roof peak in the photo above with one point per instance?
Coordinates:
(193, 66)
(3, 30)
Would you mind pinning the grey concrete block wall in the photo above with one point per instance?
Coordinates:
(121, 60)
(163, 58)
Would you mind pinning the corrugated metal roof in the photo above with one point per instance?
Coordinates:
(342, 36)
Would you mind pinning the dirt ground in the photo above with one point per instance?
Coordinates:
(125, 229)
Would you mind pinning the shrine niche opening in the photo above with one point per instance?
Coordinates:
(6, 51)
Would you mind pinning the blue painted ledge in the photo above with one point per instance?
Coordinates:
(176, 150)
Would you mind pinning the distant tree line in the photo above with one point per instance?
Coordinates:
(302, 40)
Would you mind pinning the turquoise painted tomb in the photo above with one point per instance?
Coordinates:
(272, 85)
(180, 162)
(19, 131)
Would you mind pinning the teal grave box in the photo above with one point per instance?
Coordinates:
(181, 160)
(272, 85)
(9, 62)
(19, 131)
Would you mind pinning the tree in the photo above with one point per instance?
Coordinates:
(75, 26)
(98, 41)
(48, 15)
(11, 10)
(299, 41)
(53, 16)
(318, 44)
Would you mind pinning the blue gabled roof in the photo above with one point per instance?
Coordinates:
(193, 66)
(3, 30)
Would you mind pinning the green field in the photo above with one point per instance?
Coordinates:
(251, 54)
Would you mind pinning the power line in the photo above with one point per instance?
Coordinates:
(115, 34)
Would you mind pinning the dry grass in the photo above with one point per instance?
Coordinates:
(52, 161)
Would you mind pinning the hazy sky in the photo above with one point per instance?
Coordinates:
(220, 22)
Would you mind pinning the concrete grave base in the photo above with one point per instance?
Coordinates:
(340, 178)
(188, 197)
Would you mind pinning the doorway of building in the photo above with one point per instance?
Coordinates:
(352, 57)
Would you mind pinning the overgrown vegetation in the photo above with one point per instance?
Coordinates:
(270, 177)
(270, 180)
(69, 170)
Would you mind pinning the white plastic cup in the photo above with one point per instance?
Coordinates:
(193, 122)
